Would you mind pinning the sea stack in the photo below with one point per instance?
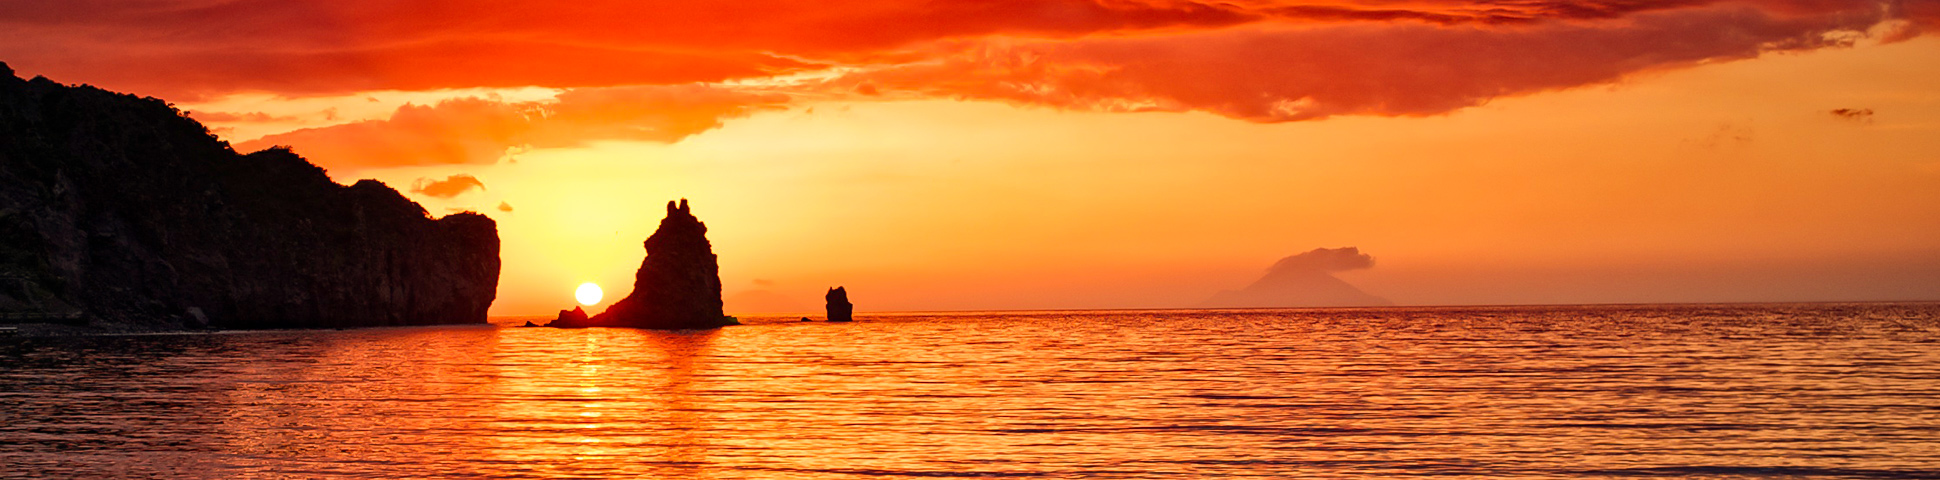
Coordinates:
(840, 310)
(678, 286)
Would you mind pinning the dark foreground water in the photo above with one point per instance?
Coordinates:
(1837, 391)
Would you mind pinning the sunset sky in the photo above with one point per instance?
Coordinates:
(1025, 154)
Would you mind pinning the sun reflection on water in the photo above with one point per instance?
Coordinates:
(1531, 392)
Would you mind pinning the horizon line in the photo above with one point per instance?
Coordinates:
(1357, 307)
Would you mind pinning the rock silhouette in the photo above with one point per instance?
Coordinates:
(574, 318)
(840, 310)
(679, 284)
(1304, 280)
(122, 211)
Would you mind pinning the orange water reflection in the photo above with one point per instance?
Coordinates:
(612, 401)
(1549, 393)
(481, 401)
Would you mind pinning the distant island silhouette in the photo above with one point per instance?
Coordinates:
(678, 286)
(1304, 280)
(118, 210)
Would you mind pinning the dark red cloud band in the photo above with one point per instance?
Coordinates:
(661, 71)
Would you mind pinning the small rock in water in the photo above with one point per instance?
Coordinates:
(805, 319)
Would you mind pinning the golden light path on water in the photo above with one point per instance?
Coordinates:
(1841, 391)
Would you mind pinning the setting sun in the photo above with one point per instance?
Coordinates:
(588, 294)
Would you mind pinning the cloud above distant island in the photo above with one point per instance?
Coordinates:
(1323, 260)
(661, 72)
(451, 186)
(1861, 115)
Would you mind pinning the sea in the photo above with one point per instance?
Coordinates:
(1619, 391)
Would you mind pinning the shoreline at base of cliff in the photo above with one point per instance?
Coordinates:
(56, 330)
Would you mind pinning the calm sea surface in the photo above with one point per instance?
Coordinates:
(1728, 391)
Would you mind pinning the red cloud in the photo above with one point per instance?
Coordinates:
(1301, 62)
(1463, 12)
(475, 131)
(1281, 74)
(195, 73)
(1263, 60)
(186, 49)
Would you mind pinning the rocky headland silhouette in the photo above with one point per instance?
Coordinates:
(118, 210)
(576, 316)
(678, 286)
(839, 308)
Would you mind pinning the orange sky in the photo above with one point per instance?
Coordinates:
(1095, 154)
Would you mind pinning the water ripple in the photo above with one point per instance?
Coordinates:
(1725, 391)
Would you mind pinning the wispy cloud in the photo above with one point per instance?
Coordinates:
(451, 186)
(1860, 115)
(479, 131)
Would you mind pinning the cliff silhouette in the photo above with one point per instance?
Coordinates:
(678, 286)
(1304, 280)
(119, 209)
